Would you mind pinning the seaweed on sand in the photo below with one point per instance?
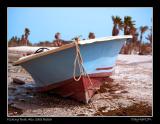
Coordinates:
(137, 109)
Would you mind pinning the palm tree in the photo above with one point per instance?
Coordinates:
(143, 29)
(129, 29)
(117, 25)
(26, 34)
(133, 43)
(149, 37)
(128, 25)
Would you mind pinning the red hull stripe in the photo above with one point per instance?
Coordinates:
(107, 68)
(103, 74)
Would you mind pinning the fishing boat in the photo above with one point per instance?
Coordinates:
(74, 70)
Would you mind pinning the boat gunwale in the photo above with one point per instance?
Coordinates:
(67, 46)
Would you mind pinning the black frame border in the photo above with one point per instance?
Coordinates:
(83, 3)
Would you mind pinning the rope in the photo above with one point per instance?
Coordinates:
(79, 60)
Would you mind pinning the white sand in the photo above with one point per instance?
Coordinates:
(135, 73)
(134, 58)
(142, 60)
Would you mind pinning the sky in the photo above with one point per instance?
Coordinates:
(71, 21)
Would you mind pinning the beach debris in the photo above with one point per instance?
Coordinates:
(81, 114)
(117, 92)
(18, 81)
(12, 110)
(124, 91)
(29, 86)
(22, 100)
(10, 100)
(12, 88)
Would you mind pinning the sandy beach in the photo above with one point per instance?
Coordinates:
(128, 93)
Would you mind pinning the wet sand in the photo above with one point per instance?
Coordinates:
(128, 93)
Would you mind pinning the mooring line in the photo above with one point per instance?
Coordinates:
(79, 60)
